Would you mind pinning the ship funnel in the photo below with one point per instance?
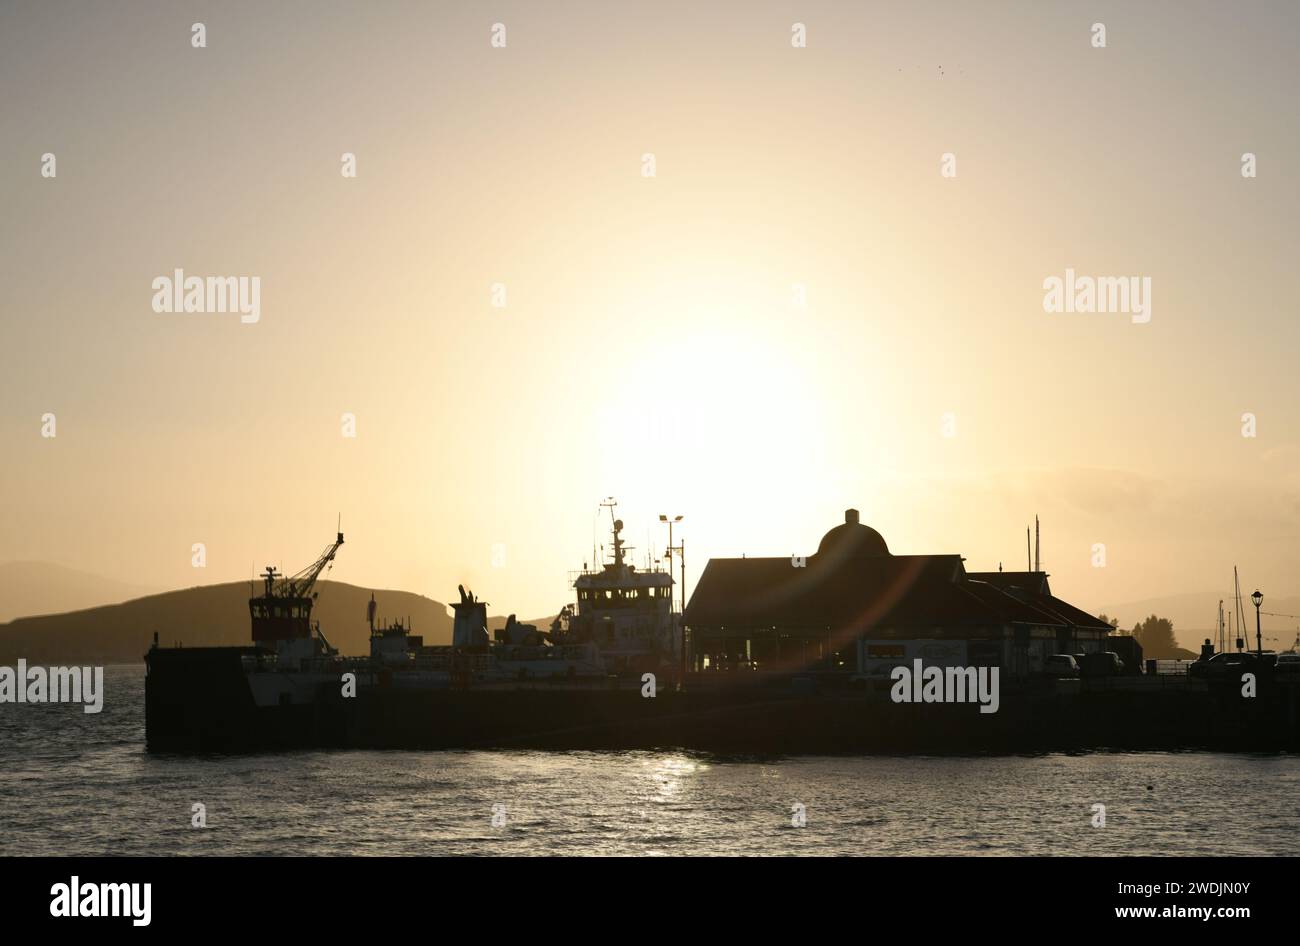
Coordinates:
(470, 626)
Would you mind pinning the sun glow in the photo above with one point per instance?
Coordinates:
(703, 418)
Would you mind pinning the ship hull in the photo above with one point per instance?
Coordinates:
(203, 700)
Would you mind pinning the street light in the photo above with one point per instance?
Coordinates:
(1259, 641)
(681, 557)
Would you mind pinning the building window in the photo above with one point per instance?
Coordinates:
(886, 651)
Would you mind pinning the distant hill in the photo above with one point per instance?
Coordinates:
(213, 615)
(207, 615)
(30, 588)
(1194, 614)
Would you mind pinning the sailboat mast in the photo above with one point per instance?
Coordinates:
(1241, 613)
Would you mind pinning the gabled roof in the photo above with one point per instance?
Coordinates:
(1012, 609)
(774, 592)
(1031, 582)
(1032, 588)
(1075, 616)
(854, 583)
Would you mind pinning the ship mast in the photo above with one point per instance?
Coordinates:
(617, 524)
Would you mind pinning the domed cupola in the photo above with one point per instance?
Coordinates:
(852, 540)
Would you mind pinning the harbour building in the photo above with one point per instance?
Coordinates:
(855, 607)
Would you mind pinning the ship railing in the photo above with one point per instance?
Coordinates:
(260, 663)
(576, 573)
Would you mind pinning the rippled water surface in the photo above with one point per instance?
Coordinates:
(73, 783)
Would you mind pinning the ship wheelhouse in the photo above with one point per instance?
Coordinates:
(281, 615)
(628, 614)
(276, 619)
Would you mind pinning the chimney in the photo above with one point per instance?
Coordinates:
(851, 517)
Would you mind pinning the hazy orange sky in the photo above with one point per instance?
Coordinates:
(651, 347)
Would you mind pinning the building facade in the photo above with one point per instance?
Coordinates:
(854, 607)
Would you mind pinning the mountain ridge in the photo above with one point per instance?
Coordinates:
(29, 588)
(212, 615)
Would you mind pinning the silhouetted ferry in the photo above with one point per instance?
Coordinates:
(291, 687)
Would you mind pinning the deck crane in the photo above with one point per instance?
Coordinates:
(283, 611)
(299, 585)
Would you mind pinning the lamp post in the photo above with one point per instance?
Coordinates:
(1259, 640)
(681, 557)
(674, 548)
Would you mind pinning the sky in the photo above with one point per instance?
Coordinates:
(796, 314)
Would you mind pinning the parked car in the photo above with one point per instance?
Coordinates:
(1231, 662)
(1062, 666)
(1129, 651)
(1103, 664)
